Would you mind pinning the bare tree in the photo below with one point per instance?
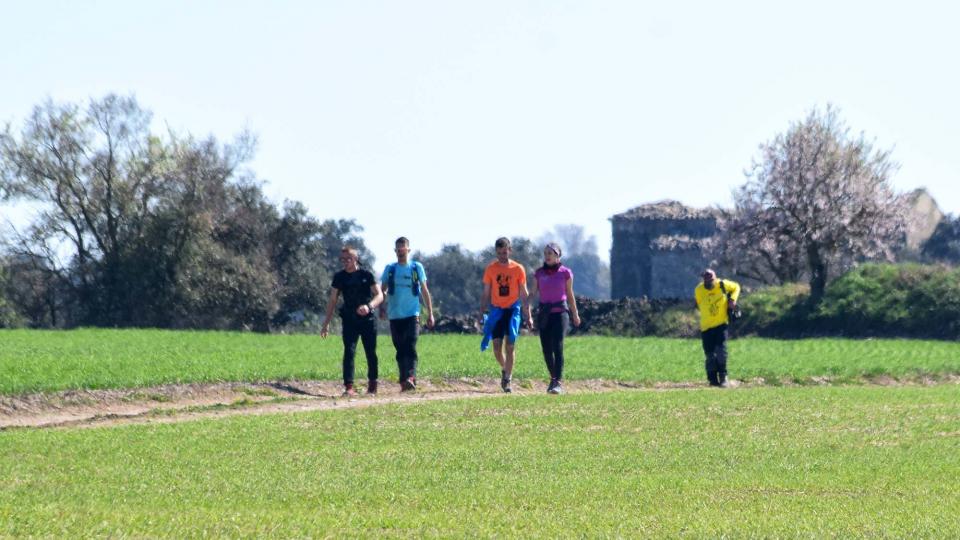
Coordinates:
(819, 196)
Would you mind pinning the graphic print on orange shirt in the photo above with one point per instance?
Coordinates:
(505, 281)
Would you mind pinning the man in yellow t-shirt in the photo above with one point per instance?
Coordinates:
(505, 296)
(714, 298)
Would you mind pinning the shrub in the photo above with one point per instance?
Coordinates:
(778, 311)
(909, 300)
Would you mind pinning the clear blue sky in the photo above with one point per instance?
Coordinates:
(457, 122)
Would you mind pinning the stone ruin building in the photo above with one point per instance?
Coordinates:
(658, 248)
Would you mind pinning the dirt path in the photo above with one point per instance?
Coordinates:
(174, 403)
(177, 403)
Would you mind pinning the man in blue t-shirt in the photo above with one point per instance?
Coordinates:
(405, 284)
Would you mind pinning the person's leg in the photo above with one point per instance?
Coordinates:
(498, 352)
(709, 350)
(407, 331)
(509, 358)
(721, 354)
(546, 344)
(350, 335)
(397, 338)
(558, 331)
(499, 332)
(412, 336)
(368, 334)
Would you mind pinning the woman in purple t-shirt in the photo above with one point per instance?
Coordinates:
(554, 282)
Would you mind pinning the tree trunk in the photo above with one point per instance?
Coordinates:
(818, 274)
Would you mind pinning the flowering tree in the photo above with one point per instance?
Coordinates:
(816, 201)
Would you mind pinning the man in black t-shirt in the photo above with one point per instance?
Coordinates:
(361, 296)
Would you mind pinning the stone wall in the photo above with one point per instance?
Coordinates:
(675, 273)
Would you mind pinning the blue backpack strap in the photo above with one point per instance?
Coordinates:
(391, 271)
(415, 278)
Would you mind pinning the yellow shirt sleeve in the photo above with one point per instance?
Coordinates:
(733, 288)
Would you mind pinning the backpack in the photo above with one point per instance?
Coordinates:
(733, 313)
(414, 276)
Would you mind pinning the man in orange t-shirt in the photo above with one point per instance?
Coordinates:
(505, 294)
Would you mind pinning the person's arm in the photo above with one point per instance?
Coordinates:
(383, 288)
(427, 301)
(572, 300)
(525, 303)
(534, 289)
(331, 303)
(383, 304)
(733, 293)
(484, 300)
(368, 308)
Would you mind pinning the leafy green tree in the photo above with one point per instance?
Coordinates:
(141, 230)
(9, 318)
(455, 276)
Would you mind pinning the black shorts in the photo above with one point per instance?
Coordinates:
(502, 328)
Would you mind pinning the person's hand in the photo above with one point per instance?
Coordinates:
(430, 321)
(529, 322)
(383, 313)
(482, 317)
(575, 319)
(324, 330)
(363, 310)
(731, 304)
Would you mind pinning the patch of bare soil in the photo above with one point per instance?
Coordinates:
(177, 403)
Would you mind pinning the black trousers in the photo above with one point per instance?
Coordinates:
(715, 348)
(364, 329)
(405, 333)
(552, 329)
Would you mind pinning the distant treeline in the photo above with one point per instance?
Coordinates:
(139, 229)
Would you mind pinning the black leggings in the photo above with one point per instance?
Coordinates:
(364, 329)
(552, 329)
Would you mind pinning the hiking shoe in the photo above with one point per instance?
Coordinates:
(408, 385)
(348, 391)
(557, 388)
(550, 387)
(372, 388)
(505, 385)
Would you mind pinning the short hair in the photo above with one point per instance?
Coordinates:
(502, 242)
(403, 240)
(351, 250)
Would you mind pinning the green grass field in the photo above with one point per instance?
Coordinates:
(754, 462)
(33, 360)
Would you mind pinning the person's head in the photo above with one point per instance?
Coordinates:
(552, 254)
(502, 246)
(349, 258)
(402, 248)
(709, 278)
